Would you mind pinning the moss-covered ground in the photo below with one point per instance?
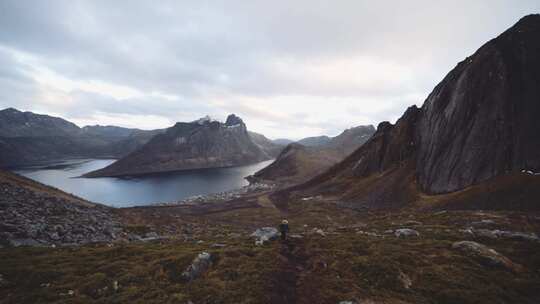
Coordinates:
(356, 258)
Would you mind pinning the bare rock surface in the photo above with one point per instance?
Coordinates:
(485, 255)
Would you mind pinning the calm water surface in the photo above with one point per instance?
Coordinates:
(119, 192)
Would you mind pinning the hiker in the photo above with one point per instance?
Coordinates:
(284, 228)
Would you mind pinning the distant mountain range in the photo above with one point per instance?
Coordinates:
(308, 157)
(29, 138)
(204, 143)
(478, 133)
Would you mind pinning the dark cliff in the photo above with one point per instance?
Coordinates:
(483, 119)
(481, 122)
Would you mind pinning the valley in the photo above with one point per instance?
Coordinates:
(442, 206)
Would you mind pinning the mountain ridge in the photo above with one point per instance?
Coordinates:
(204, 143)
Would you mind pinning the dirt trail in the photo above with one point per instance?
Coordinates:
(284, 288)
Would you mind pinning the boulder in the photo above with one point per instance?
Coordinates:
(406, 232)
(200, 264)
(485, 255)
(264, 235)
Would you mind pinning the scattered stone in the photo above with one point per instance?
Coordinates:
(218, 245)
(347, 302)
(319, 231)
(486, 255)
(115, 286)
(296, 236)
(68, 293)
(406, 232)
(440, 212)
(264, 235)
(468, 231)
(405, 280)
(200, 264)
(389, 231)
(494, 234)
(31, 218)
(151, 234)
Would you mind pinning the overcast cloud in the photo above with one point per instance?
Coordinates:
(288, 68)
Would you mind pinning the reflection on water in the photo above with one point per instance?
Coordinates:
(120, 192)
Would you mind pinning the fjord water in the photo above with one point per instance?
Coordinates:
(144, 190)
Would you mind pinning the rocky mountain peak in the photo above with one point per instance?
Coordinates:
(233, 120)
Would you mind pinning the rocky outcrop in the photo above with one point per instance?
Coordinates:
(204, 143)
(32, 214)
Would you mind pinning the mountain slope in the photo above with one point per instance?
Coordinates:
(315, 141)
(14, 123)
(35, 214)
(269, 147)
(478, 125)
(298, 163)
(27, 138)
(200, 144)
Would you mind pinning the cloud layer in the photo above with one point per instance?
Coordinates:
(289, 68)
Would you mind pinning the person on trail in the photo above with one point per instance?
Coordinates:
(284, 228)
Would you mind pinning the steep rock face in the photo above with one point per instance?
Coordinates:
(482, 120)
(201, 144)
(478, 127)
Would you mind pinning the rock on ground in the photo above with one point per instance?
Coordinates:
(200, 264)
(265, 234)
(406, 232)
(486, 255)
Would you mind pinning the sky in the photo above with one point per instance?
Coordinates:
(290, 69)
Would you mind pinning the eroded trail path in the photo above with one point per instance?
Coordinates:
(292, 263)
